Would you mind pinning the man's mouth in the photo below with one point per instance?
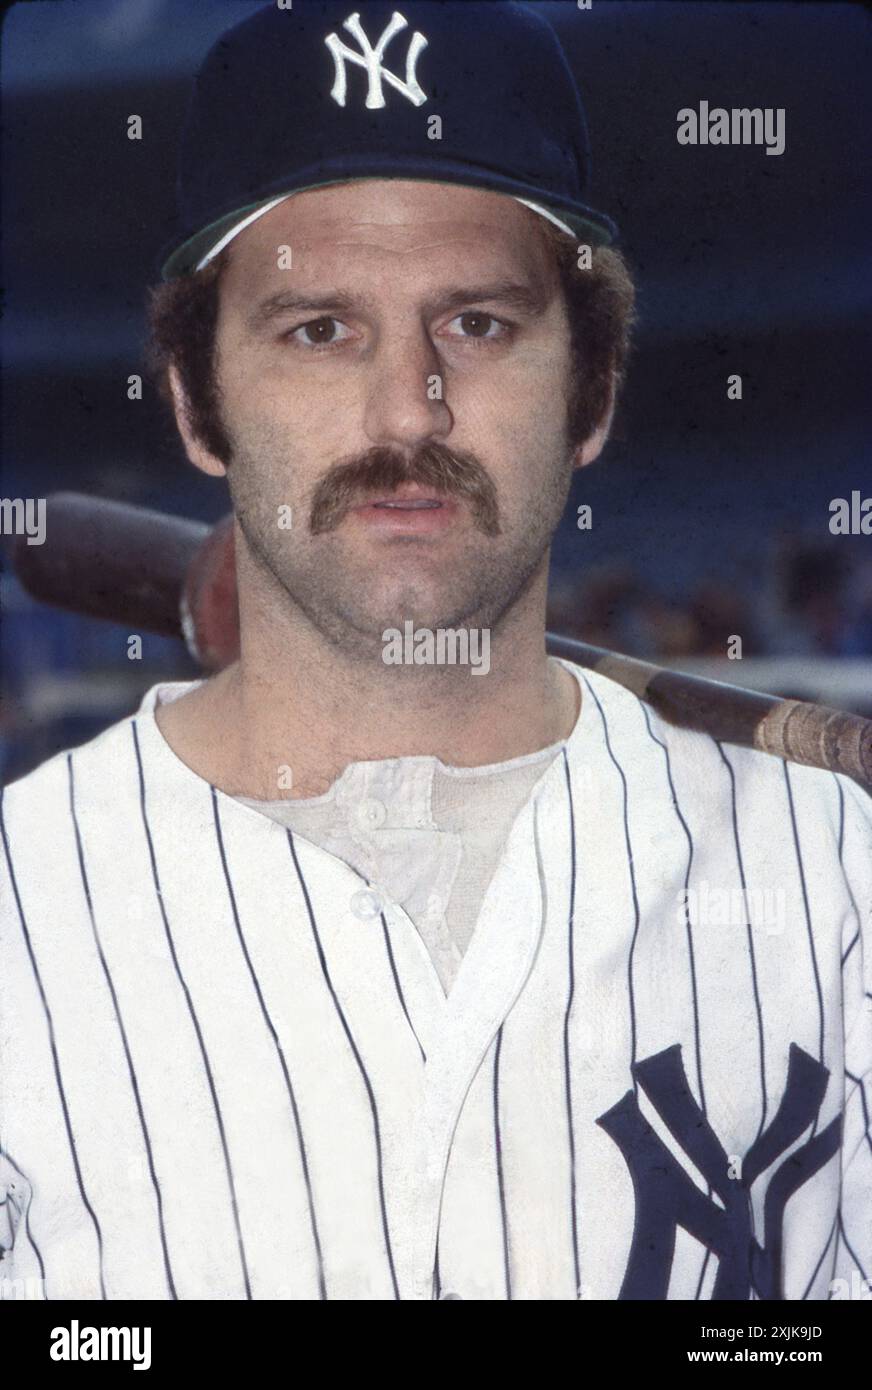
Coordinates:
(409, 510)
(418, 504)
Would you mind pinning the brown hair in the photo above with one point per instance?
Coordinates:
(182, 324)
(600, 305)
(183, 316)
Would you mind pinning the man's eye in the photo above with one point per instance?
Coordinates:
(317, 333)
(478, 325)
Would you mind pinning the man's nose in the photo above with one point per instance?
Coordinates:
(405, 401)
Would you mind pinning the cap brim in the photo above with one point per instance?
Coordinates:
(595, 227)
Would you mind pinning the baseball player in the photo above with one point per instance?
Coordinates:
(397, 960)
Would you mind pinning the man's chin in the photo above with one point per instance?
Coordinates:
(404, 621)
(414, 615)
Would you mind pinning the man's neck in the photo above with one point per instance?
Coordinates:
(289, 716)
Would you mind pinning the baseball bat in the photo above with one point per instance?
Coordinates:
(148, 570)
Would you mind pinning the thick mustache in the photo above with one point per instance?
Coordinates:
(382, 470)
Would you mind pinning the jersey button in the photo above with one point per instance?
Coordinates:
(366, 904)
(444, 1296)
(371, 814)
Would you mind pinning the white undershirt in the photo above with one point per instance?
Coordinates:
(426, 835)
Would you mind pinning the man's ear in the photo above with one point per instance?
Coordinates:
(593, 446)
(197, 452)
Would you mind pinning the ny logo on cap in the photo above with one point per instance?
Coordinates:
(371, 59)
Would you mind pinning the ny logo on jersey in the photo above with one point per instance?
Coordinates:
(666, 1196)
(371, 59)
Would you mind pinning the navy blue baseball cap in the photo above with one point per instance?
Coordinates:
(328, 91)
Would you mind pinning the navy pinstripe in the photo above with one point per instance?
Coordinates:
(228, 1168)
(134, 1084)
(316, 1239)
(54, 1052)
(357, 1057)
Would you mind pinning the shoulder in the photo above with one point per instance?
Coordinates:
(703, 770)
(48, 789)
(745, 818)
(99, 780)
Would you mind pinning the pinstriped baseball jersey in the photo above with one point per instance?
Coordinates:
(650, 1080)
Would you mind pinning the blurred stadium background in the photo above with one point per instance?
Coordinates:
(710, 517)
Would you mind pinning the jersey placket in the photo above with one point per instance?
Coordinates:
(456, 1031)
(492, 974)
(385, 811)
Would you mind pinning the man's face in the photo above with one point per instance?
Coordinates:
(402, 388)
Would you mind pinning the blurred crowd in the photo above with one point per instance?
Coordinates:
(815, 601)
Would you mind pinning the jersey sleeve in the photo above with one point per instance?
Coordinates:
(21, 1272)
(852, 1275)
(21, 1275)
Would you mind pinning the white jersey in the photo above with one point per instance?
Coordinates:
(652, 1078)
